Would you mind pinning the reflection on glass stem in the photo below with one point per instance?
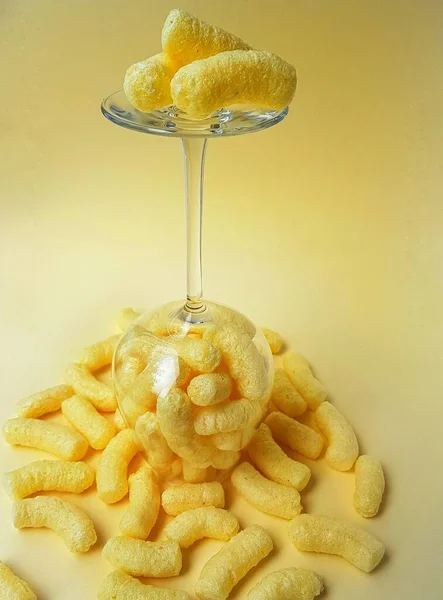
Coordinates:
(194, 151)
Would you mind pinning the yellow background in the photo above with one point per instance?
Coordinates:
(327, 228)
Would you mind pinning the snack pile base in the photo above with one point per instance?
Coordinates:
(174, 503)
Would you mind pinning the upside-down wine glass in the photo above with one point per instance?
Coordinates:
(166, 348)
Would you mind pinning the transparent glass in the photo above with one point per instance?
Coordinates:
(173, 122)
(193, 378)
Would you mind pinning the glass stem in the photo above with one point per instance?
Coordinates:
(194, 150)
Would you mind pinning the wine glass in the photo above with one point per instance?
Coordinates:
(179, 369)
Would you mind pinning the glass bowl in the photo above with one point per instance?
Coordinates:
(194, 385)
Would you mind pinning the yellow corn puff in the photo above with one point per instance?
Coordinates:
(287, 431)
(40, 404)
(192, 474)
(144, 504)
(227, 317)
(236, 558)
(49, 475)
(204, 522)
(53, 438)
(295, 435)
(225, 459)
(245, 362)
(201, 355)
(298, 370)
(274, 340)
(238, 77)
(369, 486)
(128, 371)
(12, 587)
(186, 38)
(229, 416)
(139, 398)
(234, 440)
(99, 355)
(342, 450)
(147, 83)
(112, 482)
(67, 520)
(159, 454)
(285, 397)
(175, 416)
(180, 498)
(86, 385)
(308, 419)
(288, 584)
(210, 388)
(274, 463)
(318, 533)
(144, 559)
(120, 586)
(82, 415)
(269, 497)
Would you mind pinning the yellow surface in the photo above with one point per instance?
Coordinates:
(326, 228)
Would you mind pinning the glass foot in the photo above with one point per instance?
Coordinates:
(174, 123)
